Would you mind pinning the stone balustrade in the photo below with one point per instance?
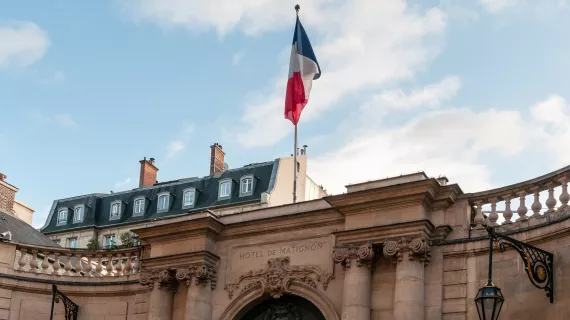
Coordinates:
(77, 262)
(524, 204)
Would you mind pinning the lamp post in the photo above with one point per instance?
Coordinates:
(538, 266)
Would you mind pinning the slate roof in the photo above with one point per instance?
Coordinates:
(23, 232)
(98, 206)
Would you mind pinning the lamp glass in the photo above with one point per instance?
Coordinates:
(489, 301)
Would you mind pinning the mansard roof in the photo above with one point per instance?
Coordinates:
(97, 206)
(23, 232)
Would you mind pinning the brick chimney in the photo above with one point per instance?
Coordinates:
(148, 173)
(216, 159)
(7, 195)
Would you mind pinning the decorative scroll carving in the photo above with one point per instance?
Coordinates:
(413, 247)
(71, 308)
(277, 277)
(202, 275)
(164, 278)
(362, 254)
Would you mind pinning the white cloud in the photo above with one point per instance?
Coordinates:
(175, 146)
(553, 114)
(496, 6)
(123, 184)
(236, 57)
(60, 119)
(22, 43)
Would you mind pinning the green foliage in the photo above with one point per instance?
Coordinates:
(128, 240)
(94, 244)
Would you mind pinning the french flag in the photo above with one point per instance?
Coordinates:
(303, 69)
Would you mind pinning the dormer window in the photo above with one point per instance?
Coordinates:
(188, 197)
(62, 216)
(78, 213)
(246, 186)
(225, 189)
(163, 204)
(139, 206)
(116, 207)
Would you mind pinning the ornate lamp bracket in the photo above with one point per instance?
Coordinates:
(539, 264)
(71, 308)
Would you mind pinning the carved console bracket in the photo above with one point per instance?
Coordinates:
(413, 247)
(276, 278)
(363, 255)
(164, 278)
(201, 274)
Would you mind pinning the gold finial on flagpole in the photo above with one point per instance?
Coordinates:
(297, 7)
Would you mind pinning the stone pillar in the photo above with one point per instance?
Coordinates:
(200, 281)
(162, 286)
(357, 263)
(410, 254)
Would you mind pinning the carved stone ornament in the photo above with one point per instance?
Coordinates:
(276, 278)
(363, 255)
(202, 275)
(417, 247)
(164, 278)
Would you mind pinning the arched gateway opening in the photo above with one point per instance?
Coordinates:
(288, 307)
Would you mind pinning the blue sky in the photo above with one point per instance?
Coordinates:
(475, 90)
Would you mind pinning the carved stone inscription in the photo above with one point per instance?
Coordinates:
(314, 251)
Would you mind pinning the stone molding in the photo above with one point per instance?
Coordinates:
(277, 277)
(362, 254)
(163, 278)
(413, 247)
(201, 274)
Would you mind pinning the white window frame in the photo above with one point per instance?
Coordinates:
(64, 222)
(241, 185)
(75, 219)
(141, 213)
(191, 204)
(69, 242)
(119, 204)
(222, 183)
(168, 197)
(109, 236)
(57, 241)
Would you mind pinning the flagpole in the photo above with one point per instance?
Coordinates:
(297, 7)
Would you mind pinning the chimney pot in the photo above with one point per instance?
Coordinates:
(3, 177)
(148, 173)
(216, 159)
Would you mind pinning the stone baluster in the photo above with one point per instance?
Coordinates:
(508, 214)
(551, 201)
(135, 262)
(411, 255)
(23, 261)
(479, 219)
(129, 265)
(536, 205)
(110, 265)
(34, 261)
(45, 262)
(78, 264)
(89, 267)
(357, 263)
(493, 216)
(564, 196)
(522, 210)
(67, 265)
(99, 268)
(56, 263)
(119, 267)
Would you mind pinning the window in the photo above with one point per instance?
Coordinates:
(246, 186)
(78, 213)
(115, 210)
(163, 202)
(225, 189)
(139, 207)
(72, 242)
(188, 198)
(57, 241)
(108, 241)
(62, 216)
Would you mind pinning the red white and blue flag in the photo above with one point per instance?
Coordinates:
(303, 69)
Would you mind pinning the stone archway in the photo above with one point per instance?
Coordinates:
(254, 295)
(287, 307)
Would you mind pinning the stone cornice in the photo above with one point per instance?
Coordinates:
(194, 258)
(378, 234)
(207, 225)
(407, 248)
(362, 255)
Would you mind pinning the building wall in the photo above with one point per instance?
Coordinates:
(7, 197)
(24, 212)
(283, 191)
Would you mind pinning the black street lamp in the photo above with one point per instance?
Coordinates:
(538, 266)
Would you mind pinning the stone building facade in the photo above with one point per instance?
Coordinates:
(9, 204)
(409, 247)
